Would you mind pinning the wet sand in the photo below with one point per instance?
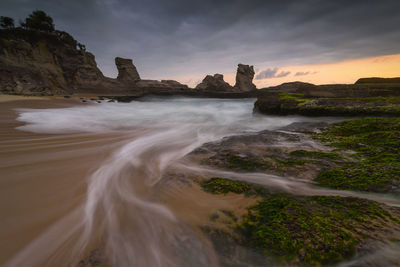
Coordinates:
(42, 176)
(44, 186)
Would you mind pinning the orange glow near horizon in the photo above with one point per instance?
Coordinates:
(339, 72)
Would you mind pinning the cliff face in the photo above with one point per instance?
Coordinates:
(38, 63)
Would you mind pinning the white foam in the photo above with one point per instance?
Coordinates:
(235, 114)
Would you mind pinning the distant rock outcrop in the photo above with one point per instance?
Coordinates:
(154, 86)
(244, 82)
(330, 99)
(214, 83)
(127, 72)
(244, 78)
(374, 80)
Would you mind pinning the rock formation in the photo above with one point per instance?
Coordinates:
(154, 86)
(45, 63)
(244, 82)
(330, 99)
(214, 83)
(41, 63)
(127, 72)
(244, 78)
(377, 80)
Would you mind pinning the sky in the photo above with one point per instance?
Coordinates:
(319, 41)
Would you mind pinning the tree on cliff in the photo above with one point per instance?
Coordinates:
(67, 38)
(6, 22)
(39, 20)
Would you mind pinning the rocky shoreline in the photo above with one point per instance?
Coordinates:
(277, 229)
(380, 98)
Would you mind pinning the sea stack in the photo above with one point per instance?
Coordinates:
(244, 78)
(127, 72)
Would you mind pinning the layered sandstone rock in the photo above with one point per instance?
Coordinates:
(127, 72)
(244, 78)
(214, 83)
(244, 82)
(39, 63)
(154, 86)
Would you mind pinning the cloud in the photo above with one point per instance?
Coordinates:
(271, 73)
(282, 74)
(175, 38)
(266, 74)
(302, 73)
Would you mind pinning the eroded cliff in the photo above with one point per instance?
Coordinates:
(43, 63)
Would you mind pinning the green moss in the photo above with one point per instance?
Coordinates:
(224, 186)
(245, 163)
(299, 158)
(316, 155)
(307, 229)
(290, 162)
(294, 96)
(214, 217)
(393, 99)
(230, 214)
(361, 177)
(345, 106)
(296, 158)
(377, 143)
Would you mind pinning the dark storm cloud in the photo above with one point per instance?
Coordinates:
(271, 73)
(181, 37)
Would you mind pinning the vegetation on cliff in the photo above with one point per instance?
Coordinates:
(6, 22)
(37, 59)
(37, 26)
(304, 229)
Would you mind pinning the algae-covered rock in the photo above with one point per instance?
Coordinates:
(298, 230)
(297, 103)
(330, 100)
(376, 142)
(281, 153)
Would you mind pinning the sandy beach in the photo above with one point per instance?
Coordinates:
(42, 176)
